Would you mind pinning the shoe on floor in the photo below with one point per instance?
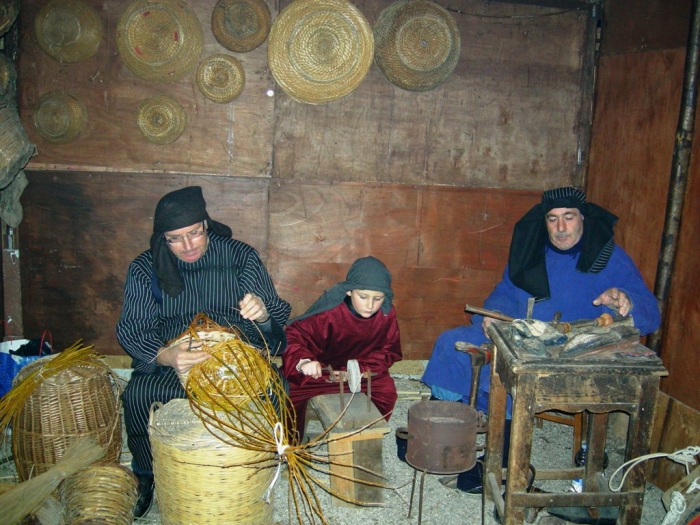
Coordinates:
(145, 487)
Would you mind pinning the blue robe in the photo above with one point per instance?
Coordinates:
(572, 294)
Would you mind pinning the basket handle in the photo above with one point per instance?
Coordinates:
(152, 412)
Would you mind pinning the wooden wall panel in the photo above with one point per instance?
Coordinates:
(81, 231)
(233, 139)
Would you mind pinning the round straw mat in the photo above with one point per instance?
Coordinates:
(99, 494)
(199, 478)
(220, 78)
(417, 44)
(161, 119)
(68, 30)
(241, 25)
(80, 401)
(320, 50)
(8, 14)
(59, 117)
(159, 40)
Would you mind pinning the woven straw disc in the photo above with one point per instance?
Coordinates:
(220, 78)
(417, 44)
(68, 30)
(60, 117)
(241, 25)
(8, 14)
(161, 119)
(159, 40)
(320, 50)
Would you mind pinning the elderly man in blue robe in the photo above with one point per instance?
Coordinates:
(562, 254)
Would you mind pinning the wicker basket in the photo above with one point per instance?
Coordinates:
(202, 480)
(68, 30)
(320, 50)
(76, 402)
(241, 25)
(9, 9)
(221, 78)
(417, 44)
(8, 81)
(159, 40)
(60, 117)
(15, 148)
(104, 494)
(161, 119)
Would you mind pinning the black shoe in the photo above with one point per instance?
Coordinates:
(143, 504)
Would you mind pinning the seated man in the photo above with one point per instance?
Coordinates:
(563, 254)
(353, 320)
(193, 266)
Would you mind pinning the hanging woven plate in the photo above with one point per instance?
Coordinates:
(161, 119)
(68, 30)
(417, 44)
(320, 50)
(241, 25)
(220, 78)
(159, 40)
(60, 117)
(8, 14)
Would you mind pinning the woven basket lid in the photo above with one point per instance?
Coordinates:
(220, 78)
(320, 50)
(241, 25)
(417, 44)
(68, 30)
(60, 117)
(8, 14)
(159, 40)
(161, 119)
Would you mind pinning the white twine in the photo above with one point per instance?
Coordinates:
(685, 456)
(694, 485)
(676, 510)
(281, 449)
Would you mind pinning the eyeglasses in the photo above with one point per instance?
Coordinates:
(179, 239)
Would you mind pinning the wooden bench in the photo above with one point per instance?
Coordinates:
(349, 447)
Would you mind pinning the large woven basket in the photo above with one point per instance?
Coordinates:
(15, 147)
(202, 480)
(104, 494)
(68, 30)
(221, 78)
(320, 50)
(417, 44)
(159, 40)
(60, 117)
(241, 25)
(161, 119)
(76, 402)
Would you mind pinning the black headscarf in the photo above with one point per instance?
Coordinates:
(526, 261)
(175, 210)
(367, 273)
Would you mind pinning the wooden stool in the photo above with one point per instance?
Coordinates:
(572, 420)
(350, 447)
(597, 385)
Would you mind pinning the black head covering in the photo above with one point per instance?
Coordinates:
(175, 210)
(526, 261)
(367, 273)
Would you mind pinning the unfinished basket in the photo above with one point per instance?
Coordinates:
(104, 494)
(80, 401)
(199, 479)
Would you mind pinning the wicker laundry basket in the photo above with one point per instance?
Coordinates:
(202, 480)
(82, 400)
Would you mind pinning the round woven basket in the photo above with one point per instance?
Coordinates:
(159, 40)
(417, 44)
(80, 401)
(202, 480)
(59, 117)
(9, 10)
(104, 494)
(221, 78)
(15, 148)
(68, 30)
(320, 50)
(241, 25)
(161, 119)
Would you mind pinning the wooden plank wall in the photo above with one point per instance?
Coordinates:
(431, 182)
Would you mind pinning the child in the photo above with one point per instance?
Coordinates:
(353, 320)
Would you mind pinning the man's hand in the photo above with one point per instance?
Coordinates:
(312, 368)
(616, 299)
(182, 356)
(253, 308)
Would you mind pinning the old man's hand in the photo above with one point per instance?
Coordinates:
(253, 308)
(182, 356)
(616, 299)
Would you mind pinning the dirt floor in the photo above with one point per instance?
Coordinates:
(440, 505)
